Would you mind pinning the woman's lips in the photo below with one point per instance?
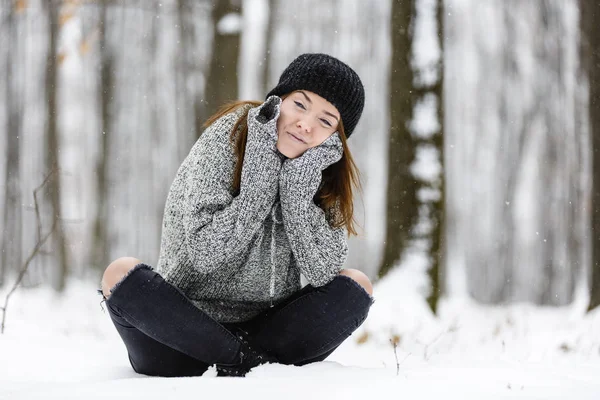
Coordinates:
(296, 138)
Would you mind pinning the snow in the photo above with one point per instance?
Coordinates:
(230, 24)
(425, 123)
(253, 51)
(66, 347)
(426, 50)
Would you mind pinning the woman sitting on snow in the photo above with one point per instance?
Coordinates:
(264, 195)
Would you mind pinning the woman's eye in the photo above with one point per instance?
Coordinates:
(326, 122)
(300, 105)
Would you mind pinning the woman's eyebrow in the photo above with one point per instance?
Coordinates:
(310, 101)
(328, 113)
(307, 98)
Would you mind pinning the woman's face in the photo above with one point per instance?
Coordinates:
(306, 120)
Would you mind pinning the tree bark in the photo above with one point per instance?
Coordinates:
(100, 251)
(273, 8)
(402, 204)
(186, 54)
(12, 235)
(58, 239)
(221, 79)
(437, 207)
(590, 12)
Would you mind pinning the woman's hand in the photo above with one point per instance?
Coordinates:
(262, 122)
(269, 110)
(302, 176)
(322, 156)
(319, 249)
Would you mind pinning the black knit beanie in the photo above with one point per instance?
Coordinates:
(331, 79)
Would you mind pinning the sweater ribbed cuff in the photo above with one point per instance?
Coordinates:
(300, 178)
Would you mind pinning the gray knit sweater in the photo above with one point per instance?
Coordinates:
(237, 256)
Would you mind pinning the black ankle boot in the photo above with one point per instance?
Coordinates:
(250, 357)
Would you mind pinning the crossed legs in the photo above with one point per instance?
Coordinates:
(166, 335)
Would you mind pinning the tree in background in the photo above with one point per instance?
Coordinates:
(517, 173)
(11, 255)
(416, 92)
(402, 205)
(590, 12)
(57, 242)
(267, 85)
(188, 65)
(221, 79)
(436, 206)
(100, 252)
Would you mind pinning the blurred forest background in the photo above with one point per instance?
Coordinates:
(476, 145)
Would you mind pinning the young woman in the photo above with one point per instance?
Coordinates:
(264, 195)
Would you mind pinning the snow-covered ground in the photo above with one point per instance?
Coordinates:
(66, 348)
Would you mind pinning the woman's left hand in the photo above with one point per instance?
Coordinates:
(319, 248)
(322, 156)
(302, 176)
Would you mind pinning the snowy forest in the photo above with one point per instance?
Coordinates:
(475, 147)
(478, 151)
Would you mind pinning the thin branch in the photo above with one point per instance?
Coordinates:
(395, 340)
(37, 208)
(425, 355)
(397, 363)
(34, 252)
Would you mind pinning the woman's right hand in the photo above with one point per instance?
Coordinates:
(262, 122)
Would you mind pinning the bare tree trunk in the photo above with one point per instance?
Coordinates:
(189, 66)
(437, 207)
(273, 8)
(100, 253)
(187, 40)
(590, 12)
(57, 242)
(221, 79)
(183, 10)
(12, 235)
(402, 204)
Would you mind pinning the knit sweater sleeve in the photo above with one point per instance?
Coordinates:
(319, 249)
(219, 227)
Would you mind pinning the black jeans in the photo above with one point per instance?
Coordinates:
(166, 335)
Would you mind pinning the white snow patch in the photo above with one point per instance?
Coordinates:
(426, 165)
(426, 50)
(65, 347)
(424, 123)
(230, 24)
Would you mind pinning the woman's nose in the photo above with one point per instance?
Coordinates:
(304, 126)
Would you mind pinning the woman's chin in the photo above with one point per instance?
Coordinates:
(290, 152)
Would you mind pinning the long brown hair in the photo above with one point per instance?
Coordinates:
(335, 196)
